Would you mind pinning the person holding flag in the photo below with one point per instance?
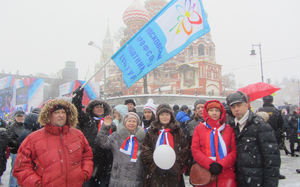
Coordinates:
(213, 145)
(164, 130)
(125, 144)
(89, 122)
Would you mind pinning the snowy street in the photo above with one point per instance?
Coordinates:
(288, 168)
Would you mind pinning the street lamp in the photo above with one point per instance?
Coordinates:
(261, 66)
(91, 43)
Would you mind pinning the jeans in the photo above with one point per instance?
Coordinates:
(12, 179)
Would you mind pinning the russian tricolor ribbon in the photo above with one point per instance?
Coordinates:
(101, 120)
(130, 147)
(143, 126)
(215, 145)
(165, 138)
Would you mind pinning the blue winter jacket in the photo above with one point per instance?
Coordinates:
(182, 116)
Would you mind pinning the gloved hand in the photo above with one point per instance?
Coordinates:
(215, 168)
(78, 91)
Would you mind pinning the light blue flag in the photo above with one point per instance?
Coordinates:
(170, 31)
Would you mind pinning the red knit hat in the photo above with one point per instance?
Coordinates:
(213, 105)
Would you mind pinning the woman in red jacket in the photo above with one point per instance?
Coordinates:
(213, 145)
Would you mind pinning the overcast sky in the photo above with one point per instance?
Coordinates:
(40, 36)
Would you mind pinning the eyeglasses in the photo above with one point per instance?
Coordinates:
(19, 116)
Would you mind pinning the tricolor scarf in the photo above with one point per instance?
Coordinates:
(215, 145)
(165, 137)
(101, 120)
(130, 147)
(143, 126)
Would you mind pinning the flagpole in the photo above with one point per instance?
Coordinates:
(94, 75)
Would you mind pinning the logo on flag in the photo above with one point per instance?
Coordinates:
(178, 24)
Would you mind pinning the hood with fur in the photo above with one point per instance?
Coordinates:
(95, 102)
(71, 111)
(208, 119)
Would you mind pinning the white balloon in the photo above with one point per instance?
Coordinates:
(164, 157)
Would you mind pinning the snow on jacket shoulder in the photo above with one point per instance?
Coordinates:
(54, 156)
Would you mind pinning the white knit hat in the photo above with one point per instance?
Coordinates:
(150, 105)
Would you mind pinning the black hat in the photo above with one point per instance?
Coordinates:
(130, 101)
(36, 110)
(175, 107)
(184, 107)
(19, 113)
(236, 97)
(268, 99)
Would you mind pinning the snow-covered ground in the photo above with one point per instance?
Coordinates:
(288, 168)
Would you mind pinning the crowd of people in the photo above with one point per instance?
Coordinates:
(67, 144)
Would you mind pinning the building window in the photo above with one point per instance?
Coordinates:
(201, 50)
(191, 50)
(210, 51)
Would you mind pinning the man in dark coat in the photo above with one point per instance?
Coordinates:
(292, 127)
(13, 131)
(275, 119)
(175, 109)
(31, 124)
(3, 145)
(89, 123)
(258, 156)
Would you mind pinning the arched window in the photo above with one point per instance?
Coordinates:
(211, 51)
(191, 50)
(201, 50)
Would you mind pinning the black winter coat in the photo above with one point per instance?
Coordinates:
(102, 158)
(30, 125)
(258, 156)
(13, 131)
(292, 127)
(275, 119)
(3, 145)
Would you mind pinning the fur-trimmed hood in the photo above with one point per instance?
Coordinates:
(71, 111)
(95, 102)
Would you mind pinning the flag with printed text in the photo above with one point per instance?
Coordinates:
(170, 31)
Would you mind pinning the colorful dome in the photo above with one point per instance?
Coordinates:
(135, 12)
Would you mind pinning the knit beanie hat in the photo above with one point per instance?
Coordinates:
(150, 105)
(131, 115)
(213, 105)
(199, 101)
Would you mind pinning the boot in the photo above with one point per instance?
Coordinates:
(286, 151)
(298, 170)
(294, 155)
(281, 176)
